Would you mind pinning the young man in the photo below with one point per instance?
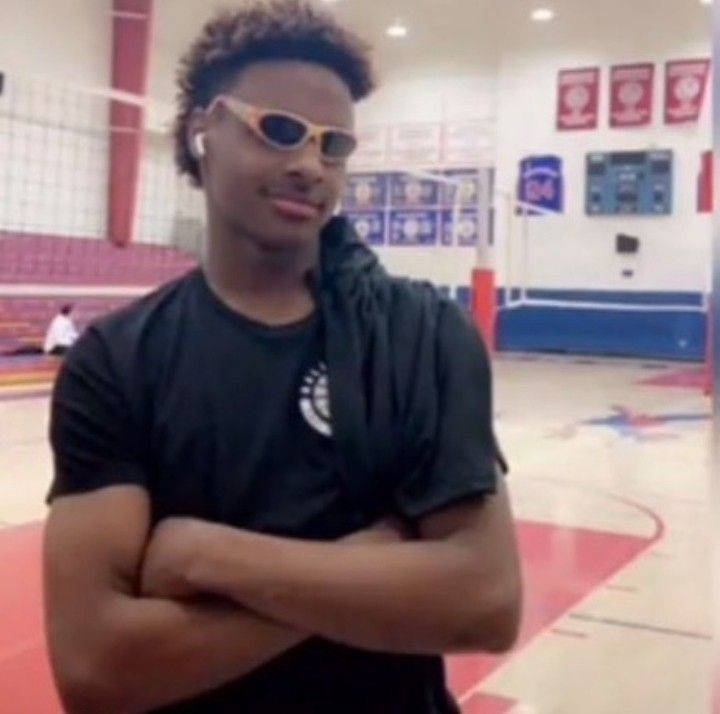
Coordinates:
(61, 334)
(275, 483)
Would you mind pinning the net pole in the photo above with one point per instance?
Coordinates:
(484, 282)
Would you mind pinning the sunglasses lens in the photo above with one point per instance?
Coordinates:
(287, 132)
(283, 130)
(338, 145)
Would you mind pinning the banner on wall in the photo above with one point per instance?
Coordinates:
(541, 183)
(462, 229)
(402, 209)
(365, 191)
(578, 98)
(407, 191)
(469, 188)
(415, 144)
(631, 95)
(465, 143)
(369, 225)
(685, 84)
(372, 150)
(413, 228)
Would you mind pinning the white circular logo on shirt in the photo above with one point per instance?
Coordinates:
(315, 400)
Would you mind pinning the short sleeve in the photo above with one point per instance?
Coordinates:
(466, 461)
(94, 440)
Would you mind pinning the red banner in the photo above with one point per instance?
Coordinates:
(685, 83)
(705, 183)
(578, 98)
(631, 95)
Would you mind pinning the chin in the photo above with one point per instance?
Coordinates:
(289, 237)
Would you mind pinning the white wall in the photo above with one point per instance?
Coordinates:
(53, 139)
(571, 251)
(576, 251)
(65, 40)
(59, 176)
(170, 210)
(57, 57)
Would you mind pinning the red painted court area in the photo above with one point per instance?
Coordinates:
(693, 378)
(561, 566)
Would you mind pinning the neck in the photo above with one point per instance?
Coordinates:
(266, 284)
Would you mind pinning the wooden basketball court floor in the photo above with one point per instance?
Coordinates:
(610, 488)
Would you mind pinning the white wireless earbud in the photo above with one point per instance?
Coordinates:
(199, 145)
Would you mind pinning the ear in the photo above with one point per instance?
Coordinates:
(195, 135)
(198, 145)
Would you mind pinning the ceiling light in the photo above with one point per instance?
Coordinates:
(706, 2)
(542, 14)
(397, 30)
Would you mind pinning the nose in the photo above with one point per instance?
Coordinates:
(306, 162)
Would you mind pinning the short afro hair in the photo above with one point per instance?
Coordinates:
(261, 31)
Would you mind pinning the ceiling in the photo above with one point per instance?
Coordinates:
(461, 34)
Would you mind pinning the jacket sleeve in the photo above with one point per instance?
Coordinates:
(465, 460)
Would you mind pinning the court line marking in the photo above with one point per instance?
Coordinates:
(630, 625)
(563, 632)
(660, 529)
(621, 588)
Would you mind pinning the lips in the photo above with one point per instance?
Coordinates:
(296, 210)
(295, 206)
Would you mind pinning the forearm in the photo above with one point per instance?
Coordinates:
(150, 653)
(167, 645)
(413, 597)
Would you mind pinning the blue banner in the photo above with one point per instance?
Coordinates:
(366, 191)
(466, 190)
(465, 232)
(541, 183)
(369, 225)
(414, 228)
(412, 192)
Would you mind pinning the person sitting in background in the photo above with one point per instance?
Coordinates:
(62, 333)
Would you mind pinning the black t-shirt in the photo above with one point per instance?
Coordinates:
(227, 420)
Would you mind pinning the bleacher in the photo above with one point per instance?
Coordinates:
(78, 270)
(54, 260)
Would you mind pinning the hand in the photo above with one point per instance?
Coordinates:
(388, 530)
(174, 545)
